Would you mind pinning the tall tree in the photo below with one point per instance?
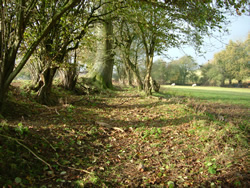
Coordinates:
(233, 61)
(102, 69)
(178, 71)
(223, 67)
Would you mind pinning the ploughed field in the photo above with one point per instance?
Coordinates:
(181, 137)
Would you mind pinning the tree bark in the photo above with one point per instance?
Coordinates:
(222, 83)
(239, 83)
(103, 68)
(44, 93)
(129, 76)
(135, 71)
(230, 82)
(147, 85)
(3, 96)
(69, 75)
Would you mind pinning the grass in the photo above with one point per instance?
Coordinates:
(181, 142)
(239, 96)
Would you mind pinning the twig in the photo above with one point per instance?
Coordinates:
(77, 169)
(57, 112)
(49, 144)
(28, 150)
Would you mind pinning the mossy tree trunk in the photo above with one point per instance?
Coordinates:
(103, 68)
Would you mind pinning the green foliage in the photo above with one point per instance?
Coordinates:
(21, 129)
(211, 166)
(159, 71)
(70, 108)
(182, 71)
(171, 184)
(18, 180)
(231, 63)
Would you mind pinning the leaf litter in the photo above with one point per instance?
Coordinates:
(122, 139)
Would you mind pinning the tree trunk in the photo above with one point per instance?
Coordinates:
(69, 75)
(135, 71)
(44, 93)
(129, 76)
(147, 85)
(230, 82)
(103, 68)
(239, 83)
(154, 85)
(3, 96)
(6, 68)
(222, 83)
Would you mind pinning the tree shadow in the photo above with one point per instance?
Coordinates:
(69, 136)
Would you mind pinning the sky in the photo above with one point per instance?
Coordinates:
(238, 30)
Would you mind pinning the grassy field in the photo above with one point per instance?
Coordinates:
(239, 96)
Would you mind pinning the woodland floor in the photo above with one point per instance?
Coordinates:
(123, 139)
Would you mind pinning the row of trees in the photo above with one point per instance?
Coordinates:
(50, 35)
(228, 64)
(181, 71)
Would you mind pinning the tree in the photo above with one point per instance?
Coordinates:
(237, 60)
(69, 72)
(211, 74)
(187, 66)
(62, 39)
(232, 62)
(181, 70)
(102, 69)
(15, 19)
(223, 66)
(128, 43)
(172, 72)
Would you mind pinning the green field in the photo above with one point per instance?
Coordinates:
(239, 96)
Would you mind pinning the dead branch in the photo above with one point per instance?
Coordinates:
(26, 147)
